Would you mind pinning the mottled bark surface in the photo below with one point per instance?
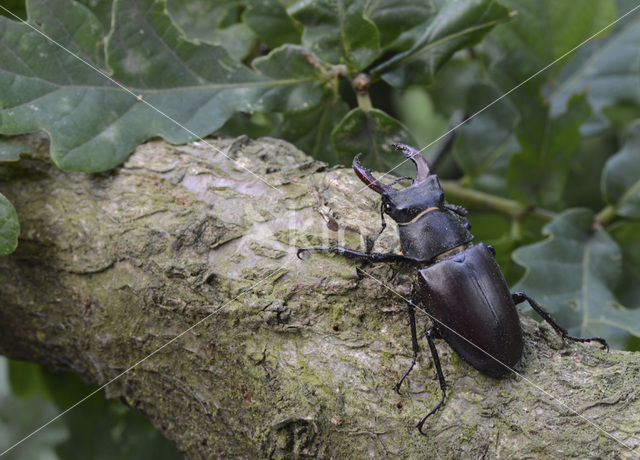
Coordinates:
(292, 359)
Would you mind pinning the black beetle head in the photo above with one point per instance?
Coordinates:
(405, 205)
(425, 193)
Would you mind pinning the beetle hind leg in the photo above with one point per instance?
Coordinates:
(414, 343)
(431, 334)
(519, 297)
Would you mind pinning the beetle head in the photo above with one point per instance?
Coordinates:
(404, 205)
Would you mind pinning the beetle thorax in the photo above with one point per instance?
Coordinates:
(426, 227)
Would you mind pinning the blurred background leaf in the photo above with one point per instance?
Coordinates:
(16, 7)
(607, 70)
(621, 177)
(372, 131)
(455, 26)
(575, 272)
(393, 17)
(10, 151)
(486, 144)
(9, 227)
(116, 432)
(18, 417)
(538, 172)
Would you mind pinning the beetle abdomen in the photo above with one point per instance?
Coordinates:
(469, 295)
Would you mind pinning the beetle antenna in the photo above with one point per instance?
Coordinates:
(417, 158)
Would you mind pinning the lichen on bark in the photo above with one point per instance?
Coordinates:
(287, 358)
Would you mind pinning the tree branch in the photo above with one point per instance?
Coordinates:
(282, 358)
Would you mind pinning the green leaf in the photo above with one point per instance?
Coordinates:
(621, 177)
(372, 132)
(573, 274)
(16, 7)
(27, 381)
(72, 25)
(544, 30)
(93, 123)
(289, 65)
(450, 91)
(585, 174)
(495, 229)
(415, 110)
(202, 20)
(486, 142)
(394, 17)
(19, 417)
(101, 9)
(10, 151)
(338, 31)
(606, 69)
(237, 39)
(537, 174)
(116, 433)
(9, 227)
(271, 22)
(541, 32)
(254, 125)
(627, 235)
(311, 130)
(457, 25)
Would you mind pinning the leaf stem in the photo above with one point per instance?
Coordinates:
(606, 214)
(486, 200)
(364, 101)
(360, 84)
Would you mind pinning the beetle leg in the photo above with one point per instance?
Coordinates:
(398, 179)
(519, 297)
(457, 209)
(372, 241)
(414, 343)
(356, 255)
(431, 334)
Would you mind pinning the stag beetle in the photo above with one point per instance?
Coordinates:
(459, 284)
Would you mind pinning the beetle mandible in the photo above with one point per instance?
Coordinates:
(459, 284)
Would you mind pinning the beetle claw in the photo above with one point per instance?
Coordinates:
(424, 419)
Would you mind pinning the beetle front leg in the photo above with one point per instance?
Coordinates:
(519, 297)
(383, 224)
(356, 255)
(414, 343)
(431, 334)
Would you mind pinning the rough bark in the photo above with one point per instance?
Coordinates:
(293, 359)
